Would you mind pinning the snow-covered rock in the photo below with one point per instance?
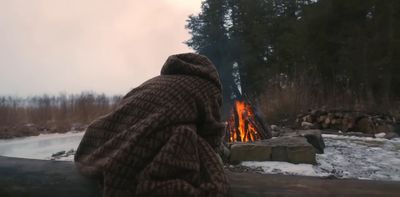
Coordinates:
(380, 135)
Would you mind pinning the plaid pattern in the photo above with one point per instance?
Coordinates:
(161, 140)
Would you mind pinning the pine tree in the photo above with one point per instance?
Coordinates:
(210, 38)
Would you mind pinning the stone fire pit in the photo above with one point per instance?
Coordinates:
(297, 147)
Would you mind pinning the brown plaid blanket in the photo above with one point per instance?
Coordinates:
(162, 138)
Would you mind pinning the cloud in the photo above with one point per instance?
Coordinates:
(52, 46)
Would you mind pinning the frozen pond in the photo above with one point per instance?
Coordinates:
(42, 146)
(344, 157)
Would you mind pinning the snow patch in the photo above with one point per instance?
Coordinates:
(380, 135)
(276, 167)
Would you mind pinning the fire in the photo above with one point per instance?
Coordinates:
(241, 125)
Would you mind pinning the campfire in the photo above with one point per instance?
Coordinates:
(244, 125)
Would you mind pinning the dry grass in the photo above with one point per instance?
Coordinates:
(58, 111)
(283, 99)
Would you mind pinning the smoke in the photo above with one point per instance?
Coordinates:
(52, 46)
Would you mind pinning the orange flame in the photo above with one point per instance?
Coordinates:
(241, 124)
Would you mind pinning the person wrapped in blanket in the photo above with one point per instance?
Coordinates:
(162, 138)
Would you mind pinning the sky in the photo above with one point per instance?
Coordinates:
(70, 46)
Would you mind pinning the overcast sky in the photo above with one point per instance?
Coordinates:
(69, 46)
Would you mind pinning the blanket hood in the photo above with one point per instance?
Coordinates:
(191, 64)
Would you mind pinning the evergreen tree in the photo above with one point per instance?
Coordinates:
(344, 45)
(210, 38)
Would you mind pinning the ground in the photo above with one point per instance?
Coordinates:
(344, 157)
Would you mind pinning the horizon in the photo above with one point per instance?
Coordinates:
(55, 47)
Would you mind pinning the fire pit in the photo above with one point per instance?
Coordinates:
(244, 125)
(248, 138)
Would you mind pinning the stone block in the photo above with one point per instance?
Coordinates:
(289, 149)
(250, 152)
(313, 137)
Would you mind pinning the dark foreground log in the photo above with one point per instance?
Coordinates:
(281, 185)
(26, 177)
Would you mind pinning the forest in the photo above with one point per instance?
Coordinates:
(294, 55)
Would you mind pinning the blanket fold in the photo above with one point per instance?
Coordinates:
(161, 139)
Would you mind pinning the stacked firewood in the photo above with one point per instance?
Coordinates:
(346, 121)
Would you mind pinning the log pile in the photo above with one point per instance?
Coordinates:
(347, 121)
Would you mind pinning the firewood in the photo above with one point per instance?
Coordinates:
(327, 121)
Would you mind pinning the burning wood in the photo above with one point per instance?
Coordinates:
(244, 125)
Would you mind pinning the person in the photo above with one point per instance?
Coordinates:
(162, 138)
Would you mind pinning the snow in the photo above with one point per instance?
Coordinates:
(380, 135)
(277, 167)
(362, 158)
(42, 146)
(346, 157)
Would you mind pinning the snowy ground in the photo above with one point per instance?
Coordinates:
(42, 146)
(344, 157)
(363, 158)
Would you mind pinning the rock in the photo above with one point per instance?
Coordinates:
(384, 128)
(314, 137)
(380, 135)
(275, 130)
(70, 152)
(396, 128)
(274, 127)
(307, 118)
(58, 154)
(245, 169)
(292, 149)
(306, 125)
(391, 135)
(303, 154)
(275, 134)
(364, 125)
(250, 152)
(289, 149)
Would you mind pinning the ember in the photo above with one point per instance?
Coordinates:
(243, 125)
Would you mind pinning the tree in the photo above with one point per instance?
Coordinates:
(210, 38)
(342, 46)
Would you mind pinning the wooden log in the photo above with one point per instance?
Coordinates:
(27, 177)
(236, 118)
(256, 185)
(260, 119)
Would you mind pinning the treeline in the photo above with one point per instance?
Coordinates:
(305, 53)
(62, 111)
